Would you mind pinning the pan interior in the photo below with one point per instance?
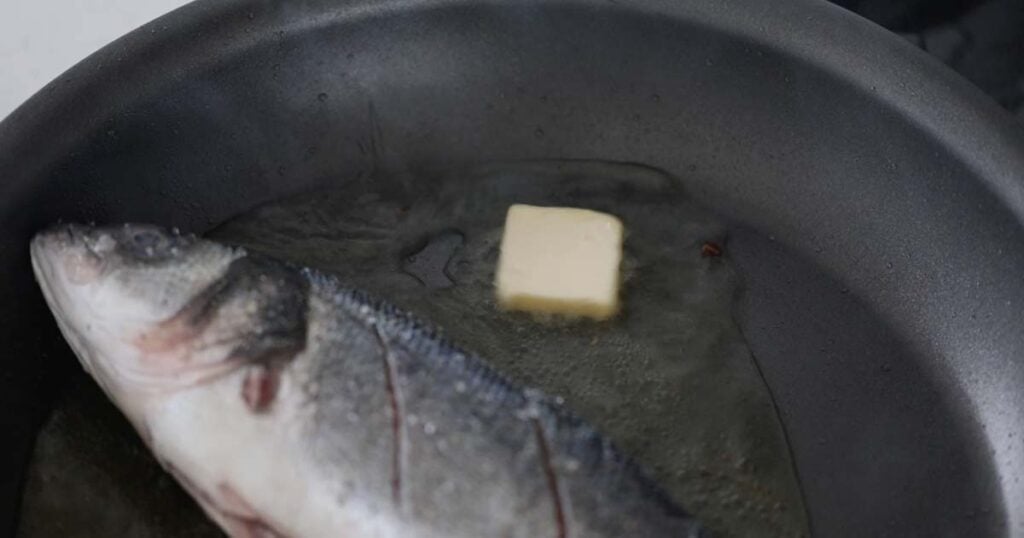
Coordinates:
(875, 195)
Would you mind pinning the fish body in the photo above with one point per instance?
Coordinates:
(289, 405)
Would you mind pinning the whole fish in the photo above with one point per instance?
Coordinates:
(290, 406)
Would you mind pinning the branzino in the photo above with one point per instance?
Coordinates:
(290, 406)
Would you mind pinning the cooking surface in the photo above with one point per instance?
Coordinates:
(884, 278)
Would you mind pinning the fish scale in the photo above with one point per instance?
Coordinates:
(433, 367)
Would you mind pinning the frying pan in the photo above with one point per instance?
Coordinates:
(877, 199)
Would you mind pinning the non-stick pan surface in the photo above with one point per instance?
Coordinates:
(878, 198)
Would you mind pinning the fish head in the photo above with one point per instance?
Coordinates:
(119, 293)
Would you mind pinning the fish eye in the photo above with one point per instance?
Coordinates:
(147, 244)
(145, 239)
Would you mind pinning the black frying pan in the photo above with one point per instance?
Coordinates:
(878, 198)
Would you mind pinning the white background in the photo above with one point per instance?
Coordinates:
(40, 39)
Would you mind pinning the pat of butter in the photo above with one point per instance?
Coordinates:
(560, 260)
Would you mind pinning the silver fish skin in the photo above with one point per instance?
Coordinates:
(291, 406)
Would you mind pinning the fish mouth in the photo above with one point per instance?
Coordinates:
(63, 235)
(44, 252)
(64, 261)
(72, 236)
(73, 253)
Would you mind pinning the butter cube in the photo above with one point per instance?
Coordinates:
(560, 260)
